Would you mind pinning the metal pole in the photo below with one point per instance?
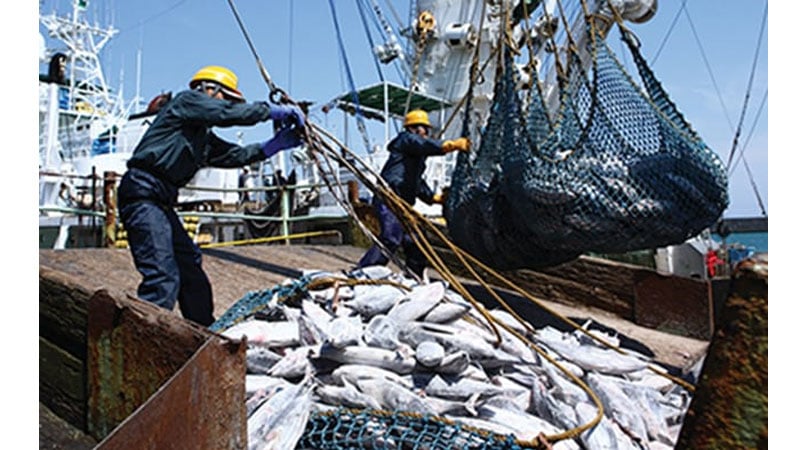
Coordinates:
(109, 198)
(386, 113)
(285, 213)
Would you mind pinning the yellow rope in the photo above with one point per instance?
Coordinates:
(416, 225)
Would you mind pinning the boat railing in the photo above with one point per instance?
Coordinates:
(98, 200)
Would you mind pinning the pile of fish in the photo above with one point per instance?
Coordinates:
(422, 348)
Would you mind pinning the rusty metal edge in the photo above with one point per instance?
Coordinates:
(201, 407)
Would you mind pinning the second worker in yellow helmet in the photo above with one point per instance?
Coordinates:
(403, 172)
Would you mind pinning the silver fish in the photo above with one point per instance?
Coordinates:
(280, 421)
(454, 363)
(371, 300)
(257, 382)
(650, 408)
(546, 406)
(601, 436)
(378, 272)
(394, 360)
(454, 339)
(318, 316)
(349, 373)
(564, 388)
(345, 331)
(509, 344)
(453, 307)
(419, 302)
(345, 395)
(429, 354)
(260, 359)
(295, 362)
(267, 334)
(443, 406)
(507, 319)
(618, 406)
(517, 393)
(263, 394)
(463, 388)
(393, 396)
(526, 426)
(591, 358)
(382, 332)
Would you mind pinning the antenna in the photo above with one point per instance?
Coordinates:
(138, 99)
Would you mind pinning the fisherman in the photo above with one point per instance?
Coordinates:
(403, 172)
(178, 144)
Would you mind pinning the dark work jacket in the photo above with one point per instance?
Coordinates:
(180, 141)
(406, 164)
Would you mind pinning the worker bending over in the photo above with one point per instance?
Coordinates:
(178, 144)
(403, 173)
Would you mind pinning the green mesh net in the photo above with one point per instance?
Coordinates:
(364, 429)
(618, 169)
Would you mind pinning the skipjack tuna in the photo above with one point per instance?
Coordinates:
(422, 348)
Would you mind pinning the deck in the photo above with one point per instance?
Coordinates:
(235, 271)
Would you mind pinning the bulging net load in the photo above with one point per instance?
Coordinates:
(356, 429)
(618, 169)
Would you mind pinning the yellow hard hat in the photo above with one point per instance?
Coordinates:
(417, 117)
(220, 75)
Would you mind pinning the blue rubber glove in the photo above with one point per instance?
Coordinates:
(283, 139)
(287, 114)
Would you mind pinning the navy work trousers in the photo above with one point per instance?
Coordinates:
(169, 262)
(392, 236)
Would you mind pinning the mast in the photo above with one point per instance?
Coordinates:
(84, 42)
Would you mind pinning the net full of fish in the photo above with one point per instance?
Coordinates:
(423, 349)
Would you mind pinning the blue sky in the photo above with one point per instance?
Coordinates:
(297, 43)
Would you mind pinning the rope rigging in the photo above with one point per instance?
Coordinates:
(369, 38)
(731, 163)
(362, 128)
(507, 127)
(749, 88)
